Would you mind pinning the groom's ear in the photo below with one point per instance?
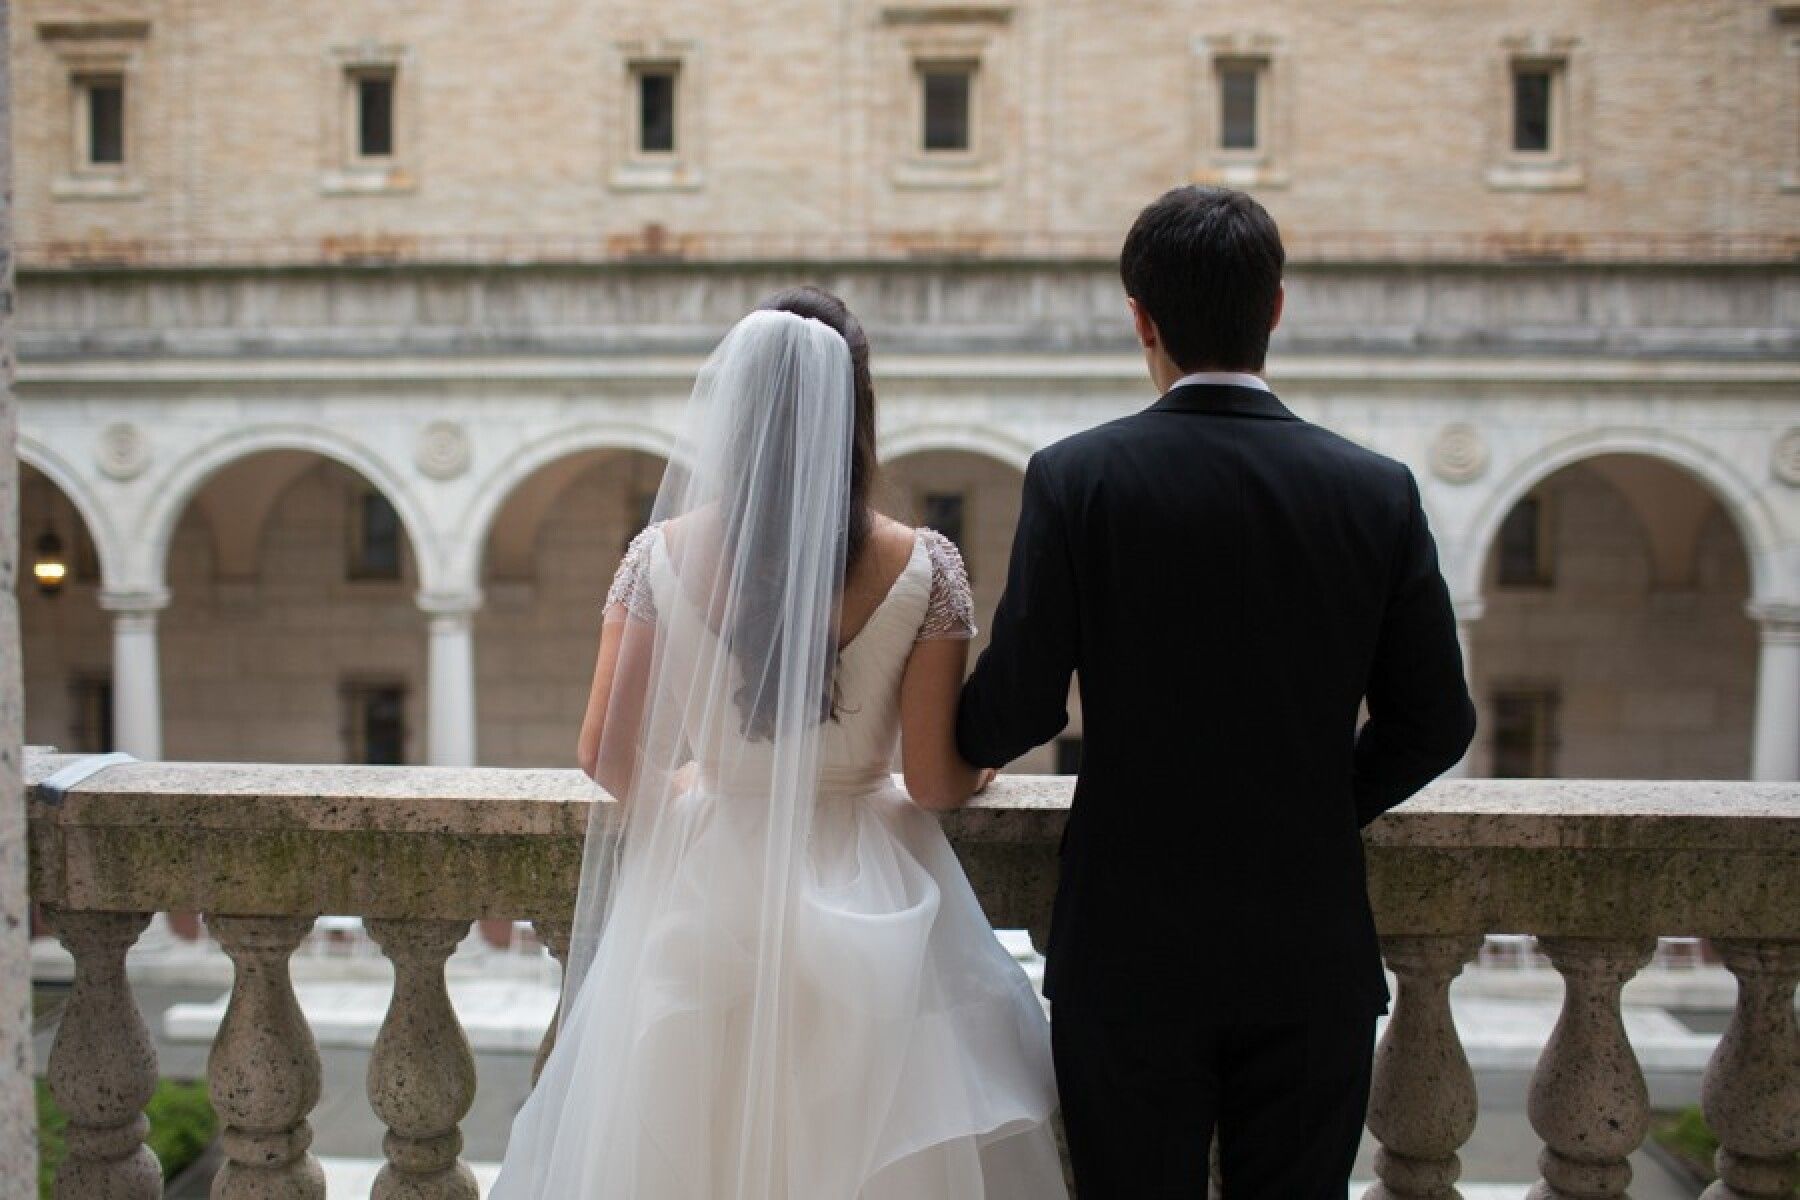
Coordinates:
(1148, 336)
(1280, 305)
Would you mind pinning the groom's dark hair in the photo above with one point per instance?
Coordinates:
(1205, 264)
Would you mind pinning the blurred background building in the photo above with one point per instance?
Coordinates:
(352, 336)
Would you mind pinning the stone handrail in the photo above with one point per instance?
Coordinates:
(1596, 870)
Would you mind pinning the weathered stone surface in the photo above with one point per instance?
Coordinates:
(422, 1072)
(1422, 1104)
(18, 1123)
(263, 1072)
(1574, 858)
(1588, 1098)
(1751, 1092)
(102, 1067)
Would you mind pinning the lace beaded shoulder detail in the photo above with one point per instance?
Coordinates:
(630, 589)
(950, 613)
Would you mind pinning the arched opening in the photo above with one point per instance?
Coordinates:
(66, 636)
(293, 633)
(547, 561)
(974, 500)
(1614, 641)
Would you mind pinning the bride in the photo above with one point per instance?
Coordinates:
(780, 984)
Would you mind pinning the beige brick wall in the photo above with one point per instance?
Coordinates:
(1385, 117)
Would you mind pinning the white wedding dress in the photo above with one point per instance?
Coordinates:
(920, 1067)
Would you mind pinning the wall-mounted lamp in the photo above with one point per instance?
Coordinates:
(49, 568)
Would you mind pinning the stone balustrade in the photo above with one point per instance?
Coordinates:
(1596, 870)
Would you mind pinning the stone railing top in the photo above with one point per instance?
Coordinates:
(1571, 857)
(1635, 814)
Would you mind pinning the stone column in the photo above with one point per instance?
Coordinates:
(450, 709)
(1751, 1092)
(1588, 1098)
(421, 1072)
(102, 1065)
(263, 1071)
(137, 687)
(555, 935)
(18, 1113)
(1422, 1105)
(1776, 754)
(1467, 613)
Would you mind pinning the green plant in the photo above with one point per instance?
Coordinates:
(182, 1125)
(1686, 1134)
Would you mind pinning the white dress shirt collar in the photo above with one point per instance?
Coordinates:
(1224, 379)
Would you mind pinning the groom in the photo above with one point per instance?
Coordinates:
(1230, 584)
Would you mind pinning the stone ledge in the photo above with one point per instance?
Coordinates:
(1576, 858)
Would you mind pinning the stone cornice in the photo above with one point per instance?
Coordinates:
(998, 366)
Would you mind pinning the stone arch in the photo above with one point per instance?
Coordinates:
(188, 475)
(94, 514)
(1756, 525)
(960, 437)
(525, 461)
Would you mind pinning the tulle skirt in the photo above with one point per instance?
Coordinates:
(911, 1059)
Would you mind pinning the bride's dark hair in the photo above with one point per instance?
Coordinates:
(827, 309)
(756, 631)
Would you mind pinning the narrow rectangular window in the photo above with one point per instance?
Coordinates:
(375, 723)
(375, 115)
(91, 715)
(656, 110)
(375, 538)
(1239, 83)
(948, 94)
(1524, 546)
(105, 121)
(1525, 733)
(943, 511)
(1533, 91)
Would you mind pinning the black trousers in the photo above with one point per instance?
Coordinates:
(1141, 1100)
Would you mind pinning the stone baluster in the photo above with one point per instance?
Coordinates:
(1751, 1093)
(103, 1064)
(1588, 1099)
(1422, 1105)
(263, 1071)
(422, 1073)
(555, 935)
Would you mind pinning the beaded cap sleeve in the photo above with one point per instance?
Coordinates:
(950, 613)
(630, 594)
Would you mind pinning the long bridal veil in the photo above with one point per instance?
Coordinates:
(723, 685)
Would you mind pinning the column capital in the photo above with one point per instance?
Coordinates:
(1779, 619)
(450, 604)
(140, 602)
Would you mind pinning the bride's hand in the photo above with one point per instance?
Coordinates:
(685, 777)
(986, 776)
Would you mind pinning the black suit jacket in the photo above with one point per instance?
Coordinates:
(1230, 584)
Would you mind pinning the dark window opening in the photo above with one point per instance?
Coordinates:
(91, 715)
(1525, 733)
(106, 122)
(1531, 109)
(948, 101)
(376, 733)
(656, 111)
(376, 537)
(1238, 84)
(1524, 546)
(943, 511)
(1068, 755)
(375, 116)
